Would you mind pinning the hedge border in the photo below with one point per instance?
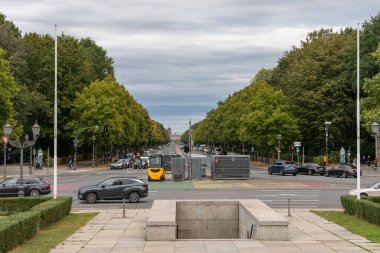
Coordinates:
(367, 208)
(15, 205)
(17, 228)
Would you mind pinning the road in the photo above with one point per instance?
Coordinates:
(303, 191)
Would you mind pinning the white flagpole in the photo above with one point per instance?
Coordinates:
(55, 115)
(358, 113)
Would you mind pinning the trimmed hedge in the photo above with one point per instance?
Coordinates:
(14, 205)
(17, 228)
(367, 208)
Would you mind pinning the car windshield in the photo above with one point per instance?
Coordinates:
(155, 161)
(373, 185)
(119, 161)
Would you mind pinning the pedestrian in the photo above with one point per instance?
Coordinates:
(69, 162)
(363, 159)
(369, 161)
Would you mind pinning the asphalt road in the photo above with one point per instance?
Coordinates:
(315, 191)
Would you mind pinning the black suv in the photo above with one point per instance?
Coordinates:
(114, 188)
(33, 187)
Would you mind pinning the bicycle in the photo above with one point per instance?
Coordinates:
(375, 166)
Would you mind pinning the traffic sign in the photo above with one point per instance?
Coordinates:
(5, 139)
(297, 143)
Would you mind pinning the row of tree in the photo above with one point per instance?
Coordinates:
(312, 83)
(88, 93)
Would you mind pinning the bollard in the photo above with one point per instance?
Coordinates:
(123, 207)
(289, 215)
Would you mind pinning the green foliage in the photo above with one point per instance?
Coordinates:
(371, 103)
(15, 204)
(17, 228)
(253, 115)
(108, 103)
(367, 208)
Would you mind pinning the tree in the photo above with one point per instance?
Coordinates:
(8, 89)
(371, 103)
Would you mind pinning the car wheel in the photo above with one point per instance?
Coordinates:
(282, 172)
(310, 172)
(91, 198)
(364, 194)
(149, 179)
(134, 197)
(294, 174)
(344, 174)
(270, 172)
(34, 193)
(327, 174)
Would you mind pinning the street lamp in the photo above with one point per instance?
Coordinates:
(278, 137)
(93, 151)
(376, 134)
(7, 132)
(327, 124)
(22, 145)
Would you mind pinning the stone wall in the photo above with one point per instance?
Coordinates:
(207, 219)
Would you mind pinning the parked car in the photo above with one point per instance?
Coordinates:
(342, 170)
(312, 169)
(372, 190)
(119, 165)
(218, 151)
(282, 169)
(128, 162)
(115, 188)
(33, 187)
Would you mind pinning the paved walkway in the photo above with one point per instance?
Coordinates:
(110, 232)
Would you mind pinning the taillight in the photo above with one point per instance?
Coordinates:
(145, 186)
(47, 186)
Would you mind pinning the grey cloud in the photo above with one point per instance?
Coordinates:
(179, 58)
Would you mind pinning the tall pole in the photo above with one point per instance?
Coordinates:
(5, 161)
(327, 144)
(30, 160)
(21, 185)
(358, 113)
(190, 162)
(93, 151)
(55, 114)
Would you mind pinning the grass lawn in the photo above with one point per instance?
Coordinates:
(353, 224)
(48, 238)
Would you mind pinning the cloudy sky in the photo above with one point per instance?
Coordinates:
(178, 58)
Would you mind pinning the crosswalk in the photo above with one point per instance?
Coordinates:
(280, 198)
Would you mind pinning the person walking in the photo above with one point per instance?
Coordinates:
(369, 161)
(69, 162)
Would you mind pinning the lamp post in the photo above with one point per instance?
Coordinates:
(327, 124)
(22, 145)
(278, 137)
(76, 143)
(376, 134)
(7, 132)
(93, 151)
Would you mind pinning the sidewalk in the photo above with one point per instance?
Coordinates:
(109, 232)
(13, 170)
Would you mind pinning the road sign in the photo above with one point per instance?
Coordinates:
(5, 139)
(297, 143)
(298, 149)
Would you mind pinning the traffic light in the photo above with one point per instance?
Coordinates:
(9, 153)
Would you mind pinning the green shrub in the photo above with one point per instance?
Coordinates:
(367, 208)
(15, 205)
(53, 210)
(16, 228)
